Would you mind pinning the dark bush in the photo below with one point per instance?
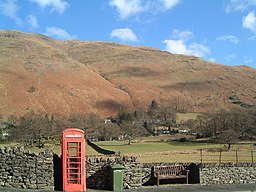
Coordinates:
(183, 139)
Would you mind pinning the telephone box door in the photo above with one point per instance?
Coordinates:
(73, 160)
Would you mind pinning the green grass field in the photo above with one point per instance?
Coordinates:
(162, 149)
(186, 116)
(160, 146)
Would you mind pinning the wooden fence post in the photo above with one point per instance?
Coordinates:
(201, 155)
(236, 157)
(220, 157)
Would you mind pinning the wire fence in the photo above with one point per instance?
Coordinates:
(222, 156)
(200, 156)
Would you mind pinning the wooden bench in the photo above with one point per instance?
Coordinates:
(170, 172)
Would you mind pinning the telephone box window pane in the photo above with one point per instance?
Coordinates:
(74, 149)
(74, 162)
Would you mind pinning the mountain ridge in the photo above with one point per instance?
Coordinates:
(101, 77)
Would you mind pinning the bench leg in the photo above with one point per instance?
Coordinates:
(157, 179)
(187, 179)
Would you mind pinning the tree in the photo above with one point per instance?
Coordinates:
(129, 131)
(29, 128)
(167, 115)
(109, 131)
(154, 104)
(152, 110)
(228, 137)
(251, 129)
(202, 127)
(228, 126)
(125, 116)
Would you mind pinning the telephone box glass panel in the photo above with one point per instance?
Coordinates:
(74, 162)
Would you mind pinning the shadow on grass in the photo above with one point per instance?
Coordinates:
(113, 145)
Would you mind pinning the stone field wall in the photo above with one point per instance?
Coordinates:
(227, 173)
(20, 168)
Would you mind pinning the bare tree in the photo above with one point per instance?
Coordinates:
(228, 137)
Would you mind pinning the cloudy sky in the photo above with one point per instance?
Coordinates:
(222, 31)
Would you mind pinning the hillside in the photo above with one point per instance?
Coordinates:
(40, 73)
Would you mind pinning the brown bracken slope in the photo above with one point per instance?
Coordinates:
(43, 74)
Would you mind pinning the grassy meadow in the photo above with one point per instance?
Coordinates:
(164, 149)
(186, 116)
(169, 151)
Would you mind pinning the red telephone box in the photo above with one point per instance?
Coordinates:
(73, 160)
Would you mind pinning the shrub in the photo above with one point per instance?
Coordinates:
(183, 139)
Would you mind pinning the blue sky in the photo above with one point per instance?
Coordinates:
(223, 31)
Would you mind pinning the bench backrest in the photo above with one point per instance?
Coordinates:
(168, 170)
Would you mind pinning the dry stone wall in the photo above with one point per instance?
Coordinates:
(227, 173)
(20, 168)
(99, 171)
(23, 169)
(135, 174)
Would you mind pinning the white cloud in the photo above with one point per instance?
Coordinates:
(230, 57)
(168, 4)
(128, 8)
(56, 5)
(212, 60)
(180, 44)
(231, 38)
(9, 8)
(252, 38)
(182, 35)
(248, 59)
(176, 47)
(180, 47)
(124, 34)
(199, 50)
(32, 21)
(249, 22)
(58, 33)
(239, 5)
